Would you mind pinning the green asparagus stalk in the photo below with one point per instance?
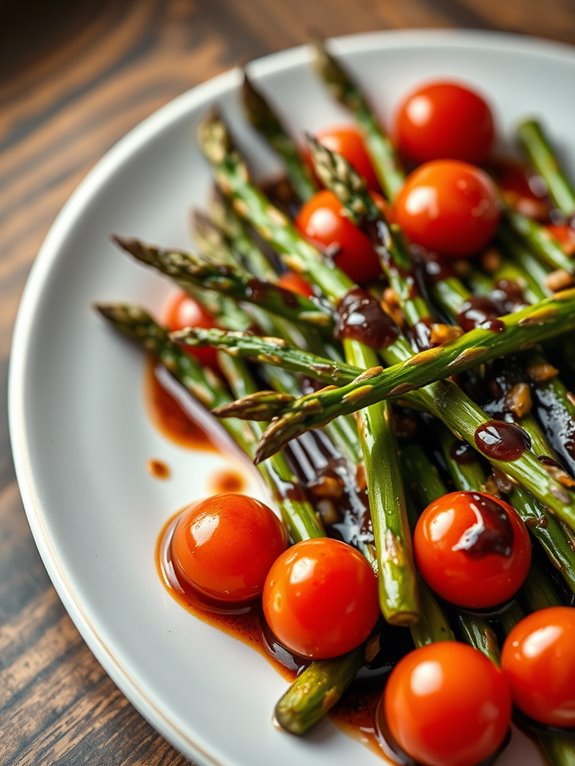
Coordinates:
(132, 321)
(315, 691)
(228, 278)
(540, 241)
(398, 585)
(537, 147)
(345, 90)
(265, 120)
(266, 350)
(522, 329)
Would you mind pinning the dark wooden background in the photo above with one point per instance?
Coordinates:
(75, 75)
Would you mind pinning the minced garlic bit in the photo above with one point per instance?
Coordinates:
(519, 399)
(542, 371)
(443, 333)
(559, 280)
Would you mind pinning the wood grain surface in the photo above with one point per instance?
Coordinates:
(74, 77)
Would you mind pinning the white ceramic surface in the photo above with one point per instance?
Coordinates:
(81, 437)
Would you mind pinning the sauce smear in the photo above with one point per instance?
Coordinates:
(502, 441)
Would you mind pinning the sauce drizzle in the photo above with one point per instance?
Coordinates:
(360, 317)
(502, 441)
(491, 533)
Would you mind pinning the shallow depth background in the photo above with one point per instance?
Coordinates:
(74, 77)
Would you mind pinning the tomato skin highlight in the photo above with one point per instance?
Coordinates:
(348, 141)
(320, 598)
(444, 120)
(224, 546)
(323, 222)
(183, 311)
(538, 660)
(291, 280)
(446, 704)
(472, 581)
(449, 207)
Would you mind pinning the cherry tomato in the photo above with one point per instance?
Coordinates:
(565, 235)
(322, 220)
(183, 311)
(472, 549)
(224, 546)
(446, 704)
(449, 207)
(444, 120)
(521, 189)
(538, 660)
(320, 598)
(293, 281)
(349, 142)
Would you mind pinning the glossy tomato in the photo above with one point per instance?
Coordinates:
(538, 660)
(444, 120)
(322, 220)
(183, 311)
(224, 546)
(320, 598)
(291, 280)
(449, 207)
(565, 235)
(446, 704)
(472, 549)
(348, 142)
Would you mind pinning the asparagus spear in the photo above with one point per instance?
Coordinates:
(274, 351)
(536, 145)
(226, 277)
(345, 90)
(540, 241)
(265, 120)
(398, 585)
(297, 514)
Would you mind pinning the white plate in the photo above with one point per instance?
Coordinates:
(81, 437)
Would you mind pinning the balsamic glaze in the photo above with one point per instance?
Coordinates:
(360, 317)
(559, 428)
(501, 441)
(462, 453)
(492, 531)
(480, 311)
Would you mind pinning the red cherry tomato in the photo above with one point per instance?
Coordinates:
(291, 280)
(446, 704)
(472, 549)
(320, 598)
(321, 219)
(349, 142)
(183, 311)
(224, 546)
(521, 189)
(538, 660)
(565, 235)
(444, 120)
(449, 207)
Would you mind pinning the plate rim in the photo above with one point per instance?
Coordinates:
(134, 140)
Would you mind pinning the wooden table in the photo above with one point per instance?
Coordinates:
(75, 76)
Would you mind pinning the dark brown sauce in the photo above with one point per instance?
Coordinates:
(462, 453)
(502, 441)
(166, 406)
(491, 533)
(258, 291)
(228, 480)
(158, 469)
(360, 317)
(559, 428)
(480, 311)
